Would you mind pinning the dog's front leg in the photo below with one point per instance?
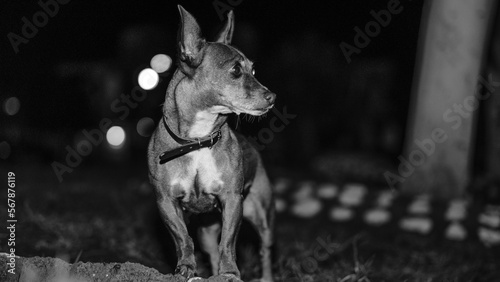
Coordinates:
(232, 212)
(173, 217)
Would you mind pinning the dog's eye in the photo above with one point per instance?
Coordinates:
(236, 71)
(253, 71)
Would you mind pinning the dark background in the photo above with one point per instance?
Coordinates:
(349, 127)
(90, 52)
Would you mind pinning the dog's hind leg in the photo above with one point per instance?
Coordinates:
(262, 218)
(208, 236)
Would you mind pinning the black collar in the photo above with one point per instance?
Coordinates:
(188, 145)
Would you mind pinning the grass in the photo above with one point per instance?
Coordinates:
(101, 216)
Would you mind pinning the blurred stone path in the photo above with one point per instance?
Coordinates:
(383, 207)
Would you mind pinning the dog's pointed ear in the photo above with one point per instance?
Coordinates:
(226, 34)
(190, 41)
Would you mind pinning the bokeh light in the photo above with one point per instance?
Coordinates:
(145, 126)
(161, 63)
(148, 79)
(116, 137)
(11, 106)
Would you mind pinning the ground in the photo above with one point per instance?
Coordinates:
(101, 222)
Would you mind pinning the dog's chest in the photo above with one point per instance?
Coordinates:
(200, 177)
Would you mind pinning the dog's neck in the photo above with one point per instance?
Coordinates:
(187, 112)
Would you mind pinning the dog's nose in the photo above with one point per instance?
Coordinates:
(270, 97)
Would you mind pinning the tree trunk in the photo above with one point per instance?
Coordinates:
(439, 144)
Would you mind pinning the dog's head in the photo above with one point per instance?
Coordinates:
(220, 72)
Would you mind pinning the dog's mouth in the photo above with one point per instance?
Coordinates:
(240, 110)
(253, 112)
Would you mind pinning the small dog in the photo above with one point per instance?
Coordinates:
(199, 165)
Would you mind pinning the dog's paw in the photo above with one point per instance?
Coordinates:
(184, 271)
(195, 279)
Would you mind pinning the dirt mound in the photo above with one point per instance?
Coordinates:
(46, 269)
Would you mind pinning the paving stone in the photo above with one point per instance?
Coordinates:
(488, 236)
(341, 214)
(456, 231)
(385, 199)
(305, 190)
(489, 219)
(416, 224)
(457, 210)
(327, 191)
(307, 208)
(377, 216)
(280, 205)
(420, 206)
(353, 194)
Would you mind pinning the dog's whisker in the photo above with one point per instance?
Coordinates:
(237, 121)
